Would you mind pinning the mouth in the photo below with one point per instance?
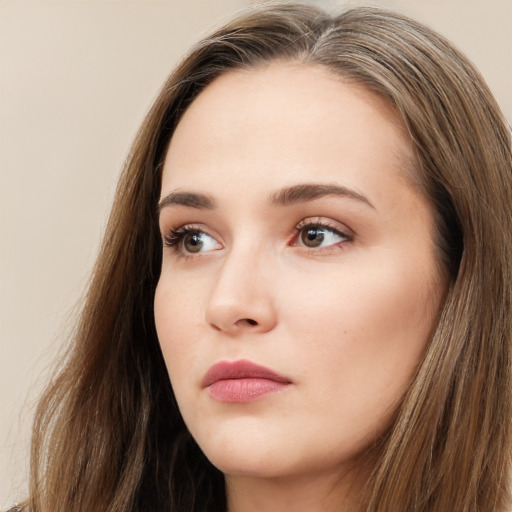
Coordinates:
(242, 381)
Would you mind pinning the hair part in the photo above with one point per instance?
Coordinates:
(108, 434)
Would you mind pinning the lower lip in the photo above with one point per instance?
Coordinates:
(244, 390)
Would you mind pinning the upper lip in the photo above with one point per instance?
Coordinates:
(242, 369)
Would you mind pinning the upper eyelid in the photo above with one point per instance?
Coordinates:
(307, 221)
(326, 223)
(187, 226)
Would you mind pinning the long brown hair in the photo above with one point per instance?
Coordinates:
(108, 434)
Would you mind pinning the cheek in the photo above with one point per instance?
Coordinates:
(361, 303)
(176, 314)
(364, 330)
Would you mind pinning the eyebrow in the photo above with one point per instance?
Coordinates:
(189, 199)
(283, 197)
(309, 191)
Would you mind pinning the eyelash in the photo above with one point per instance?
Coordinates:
(176, 236)
(321, 224)
(174, 239)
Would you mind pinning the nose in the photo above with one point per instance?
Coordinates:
(242, 299)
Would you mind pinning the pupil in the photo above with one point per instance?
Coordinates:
(312, 237)
(193, 242)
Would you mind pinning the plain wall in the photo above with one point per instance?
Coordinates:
(76, 78)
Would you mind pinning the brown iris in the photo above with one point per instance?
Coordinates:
(312, 237)
(193, 242)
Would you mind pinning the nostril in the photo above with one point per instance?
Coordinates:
(246, 323)
(240, 324)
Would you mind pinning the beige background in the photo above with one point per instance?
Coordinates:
(76, 77)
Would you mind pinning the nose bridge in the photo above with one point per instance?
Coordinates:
(242, 297)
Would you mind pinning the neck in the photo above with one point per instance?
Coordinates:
(305, 493)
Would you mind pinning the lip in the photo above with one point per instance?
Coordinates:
(242, 381)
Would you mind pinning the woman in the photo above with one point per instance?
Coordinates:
(311, 238)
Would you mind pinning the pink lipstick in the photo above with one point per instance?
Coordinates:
(242, 381)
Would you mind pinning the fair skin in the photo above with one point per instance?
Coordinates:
(333, 286)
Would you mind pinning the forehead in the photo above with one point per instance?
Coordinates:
(284, 123)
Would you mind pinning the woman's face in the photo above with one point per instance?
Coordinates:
(299, 287)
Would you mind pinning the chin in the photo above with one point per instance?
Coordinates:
(244, 459)
(261, 458)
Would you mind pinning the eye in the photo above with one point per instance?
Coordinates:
(319, 235)
(190, 240)
(198, 242)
